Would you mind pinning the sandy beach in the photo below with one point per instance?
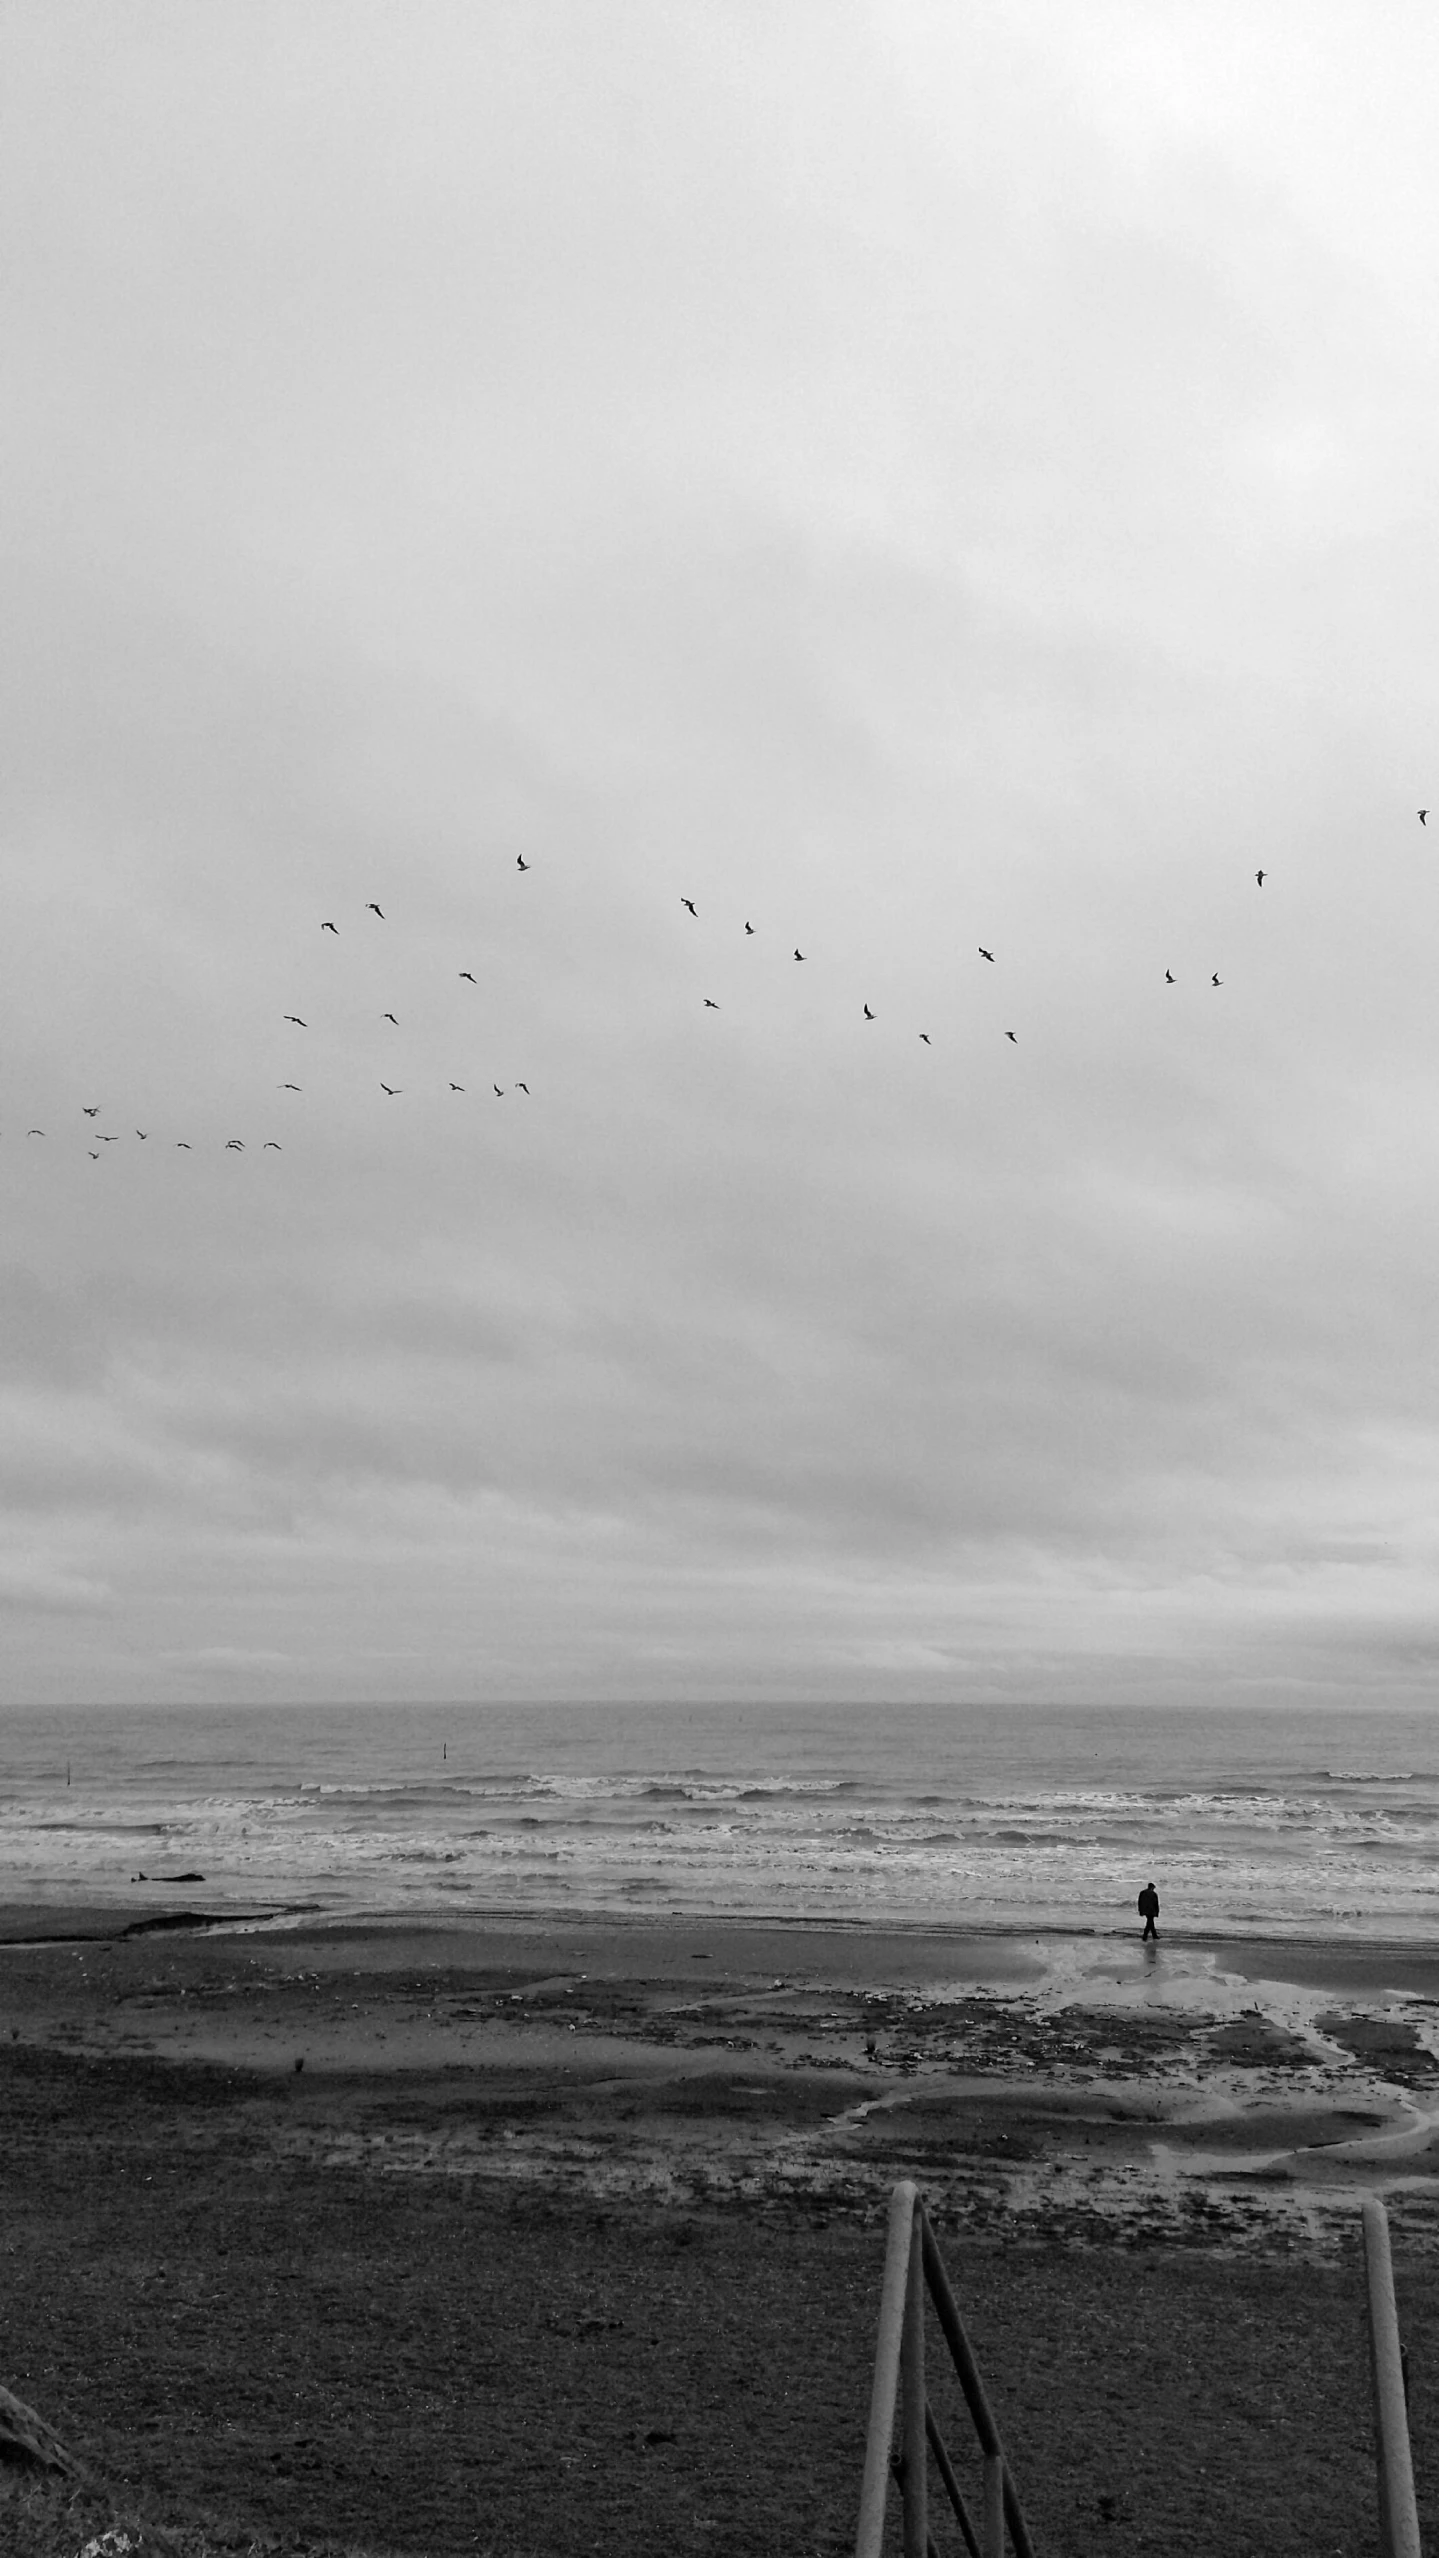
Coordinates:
(636, 2173)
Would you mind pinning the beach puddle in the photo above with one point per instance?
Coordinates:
(1104, 2093)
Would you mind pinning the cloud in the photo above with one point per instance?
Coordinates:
(35, 1582)
(911, 485)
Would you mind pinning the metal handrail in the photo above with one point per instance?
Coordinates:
(912, 2266)
(1398, 2517)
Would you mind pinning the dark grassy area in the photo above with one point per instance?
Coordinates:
(330, 2357)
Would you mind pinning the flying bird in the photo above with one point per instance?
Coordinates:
(295, 1018)
(394, 1090)
(389, 1017)
(986, 954)
(234, 1145)
(34, 1132)
(924, 1035)
(1169, 977)
(457, 1087)
(1010, 1035)
(710, 1005)
(104, 1140)
(330, 928)
(89, 1113)
(1423, 816)
(520, 862)
(469, 972)
(142, 1132)
(94, 1154)
(373, 909)
(799, 954)
(1216, 981)
(1259, 877)
(868, 1014)
(524, 1088)
(499, 1088)
(749, 928)
(689, 901)
(183, 1146)
(275, 1142)
(289, 1087)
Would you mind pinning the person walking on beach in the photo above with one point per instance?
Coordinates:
(1149, 1912)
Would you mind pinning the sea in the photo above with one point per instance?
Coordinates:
(1271, 1823)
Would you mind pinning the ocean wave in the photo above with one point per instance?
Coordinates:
(1037, 1838)
(1373, 1776)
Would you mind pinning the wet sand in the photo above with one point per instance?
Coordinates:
(1067, 2086)
(566, 2236)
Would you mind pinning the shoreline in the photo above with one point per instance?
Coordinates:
(1073, 2087)
(74, 1918)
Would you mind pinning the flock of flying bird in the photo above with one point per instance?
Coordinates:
(868, 1014)
(238, 1145)
(395, 1090)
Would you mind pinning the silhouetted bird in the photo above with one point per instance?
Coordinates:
(749, 928)
(329, 928)
(1169, 977)
(1259, 877)
(690, 903)
(520, 862)
(394, 1090)
(389, 1017)
(289, 1088)
(1216, 981)
(499, 1088)
(295, 1018)
(275, 1142)
(34, 1132)
(89, 1113)
(234, 1145)
(1010, 1035)
(466, 972)
(142, 1132)
(94, 1154)
(183, 1146)
(799, 954)
(924, 1035)
(104, 1140)
(524, 1088)
(710, 1005)
(457, 1087)
(868, 1014)
(986, 954)
(373, 909)
(1423, 816)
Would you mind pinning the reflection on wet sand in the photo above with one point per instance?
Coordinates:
(1069, 2085)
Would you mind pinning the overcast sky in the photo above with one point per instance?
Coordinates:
(913, 479)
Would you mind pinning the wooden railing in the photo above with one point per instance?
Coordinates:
(912, 2266)
(1398, 2519)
